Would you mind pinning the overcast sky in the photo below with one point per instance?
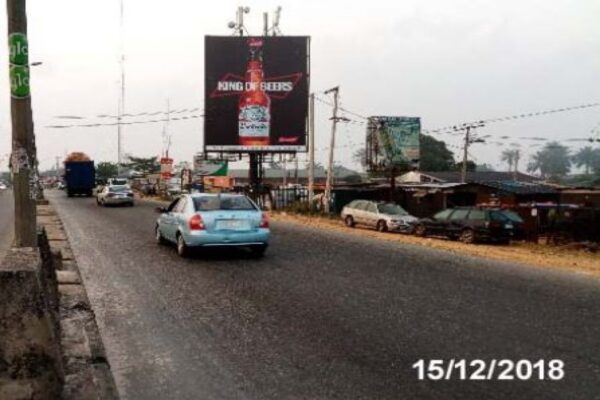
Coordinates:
(446, 61)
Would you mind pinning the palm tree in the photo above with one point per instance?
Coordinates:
(509, 157)
(587, 157)
(553, 161)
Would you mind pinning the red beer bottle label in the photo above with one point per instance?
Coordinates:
(254, 118)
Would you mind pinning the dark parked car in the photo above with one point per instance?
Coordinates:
(471, 224)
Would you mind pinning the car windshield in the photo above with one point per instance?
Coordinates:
(513, 216)
(211, 203)
(391, 209)
(118, 189)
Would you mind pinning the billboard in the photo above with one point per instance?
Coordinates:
(393, 142)
(166, 167)
(207, 167)
(256, 93)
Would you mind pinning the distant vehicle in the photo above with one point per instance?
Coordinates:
(382, 216)
(61, 186)
(117, 181)
(80, 175)
(470, 225)
(115, 195)
(213, 220)
(174, 186)
(3, 186)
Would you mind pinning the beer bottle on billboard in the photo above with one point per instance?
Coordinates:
(255, 105)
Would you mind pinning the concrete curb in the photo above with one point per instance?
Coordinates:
(86, 368)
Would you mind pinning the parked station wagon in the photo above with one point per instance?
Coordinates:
(382, 216)
(471, 224)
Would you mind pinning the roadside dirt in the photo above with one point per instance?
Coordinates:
(559, 257)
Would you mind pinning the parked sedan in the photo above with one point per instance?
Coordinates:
(469, 225)
(115, 195)
(213, 220)
(382, 216)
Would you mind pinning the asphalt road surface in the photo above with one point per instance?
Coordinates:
(323, 316)
(7, 227)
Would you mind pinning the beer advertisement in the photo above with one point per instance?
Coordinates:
(256, 93)
(393, 142)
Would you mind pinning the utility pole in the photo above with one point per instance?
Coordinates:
(463, 174)
(23, 158)
(468, 141)
(311, 150)
(335, 119)
(121, 109)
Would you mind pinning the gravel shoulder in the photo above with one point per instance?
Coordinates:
(578, 261)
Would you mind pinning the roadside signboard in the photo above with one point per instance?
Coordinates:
(256, 93)
(393, 142)
(209, 167)
(166, 168)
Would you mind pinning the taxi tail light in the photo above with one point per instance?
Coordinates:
(264, 221)
(196, 223)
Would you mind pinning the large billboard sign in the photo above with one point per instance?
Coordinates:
(256, 93)
(393, 142)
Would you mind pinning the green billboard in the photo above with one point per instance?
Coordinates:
(393, 142)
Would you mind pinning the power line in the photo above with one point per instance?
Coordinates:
(150, 121)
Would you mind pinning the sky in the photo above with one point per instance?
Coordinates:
(445, 61)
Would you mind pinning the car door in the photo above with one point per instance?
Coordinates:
(168, 222)
(438, 222)
(358, 211)
(179, 214)
(456, 222)
(371, 215)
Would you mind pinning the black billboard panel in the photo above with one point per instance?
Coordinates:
(256, 93)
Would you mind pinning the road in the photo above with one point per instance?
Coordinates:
(6, 221)
(324, 315)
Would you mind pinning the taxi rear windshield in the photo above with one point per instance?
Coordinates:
(211, 203)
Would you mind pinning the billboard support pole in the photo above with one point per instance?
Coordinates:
(311, 150)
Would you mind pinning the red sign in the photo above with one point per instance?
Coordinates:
(166, 166)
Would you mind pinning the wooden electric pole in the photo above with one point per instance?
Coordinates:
(468, 141)
(23, 158)
(334, 119)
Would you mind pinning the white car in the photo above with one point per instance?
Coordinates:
(3, 186)
(382, 216)
(115, 195)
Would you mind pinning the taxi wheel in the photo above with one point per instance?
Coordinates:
(182, 248)
(382, 226)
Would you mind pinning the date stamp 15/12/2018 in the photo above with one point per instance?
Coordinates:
(487, 370)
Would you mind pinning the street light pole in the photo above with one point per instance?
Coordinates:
(23, 157)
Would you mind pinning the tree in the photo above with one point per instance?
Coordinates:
(360, 157)
(471, 166)
(509, 156)
(588, 158)
(435, 156)
(106, 170)
(553, 161)
(484, 167)
(145, 165)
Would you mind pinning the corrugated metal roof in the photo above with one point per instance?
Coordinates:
(520, 187)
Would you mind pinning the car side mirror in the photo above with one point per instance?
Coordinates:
(160, 210)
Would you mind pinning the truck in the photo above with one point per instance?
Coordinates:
(80, 175)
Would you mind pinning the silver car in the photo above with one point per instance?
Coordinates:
(382, 216)
(115, 195)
